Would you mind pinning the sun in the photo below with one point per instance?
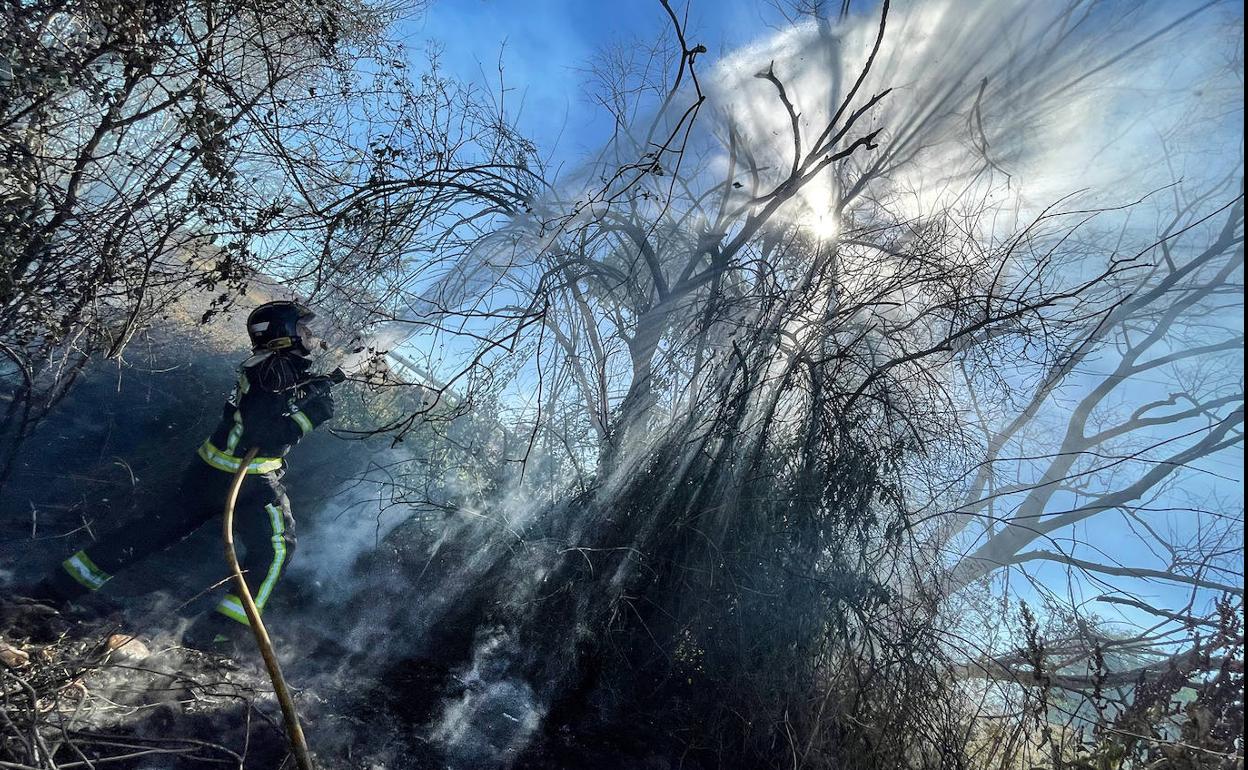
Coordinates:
(825, 227)
(816, 211)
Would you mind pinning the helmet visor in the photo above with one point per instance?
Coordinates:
(310, 333)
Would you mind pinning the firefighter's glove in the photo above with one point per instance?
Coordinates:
(316, 404)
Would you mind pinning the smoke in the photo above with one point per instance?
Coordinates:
(996, 109)
(351, 522)
(1016, 104)
(491, 722)
(1041, 99)
(1013, 102)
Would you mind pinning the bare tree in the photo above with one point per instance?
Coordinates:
(156, 153)
(755, 358)
(1170, 330)
(764, 359)
(122, 130)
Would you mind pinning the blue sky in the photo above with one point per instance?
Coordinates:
(546, 45)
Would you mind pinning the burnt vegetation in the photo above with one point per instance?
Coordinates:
(783, 432)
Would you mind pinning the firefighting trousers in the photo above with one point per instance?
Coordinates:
(262, 523)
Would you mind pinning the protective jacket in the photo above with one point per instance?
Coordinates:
(273, 405)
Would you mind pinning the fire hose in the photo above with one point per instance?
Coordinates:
(294, 732)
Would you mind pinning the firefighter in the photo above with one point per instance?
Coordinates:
(274, 404)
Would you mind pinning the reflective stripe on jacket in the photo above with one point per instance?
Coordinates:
(261, 412)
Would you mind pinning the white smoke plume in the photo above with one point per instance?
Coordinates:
(1017, 103)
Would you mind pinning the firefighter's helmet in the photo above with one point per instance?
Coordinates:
(280, 326)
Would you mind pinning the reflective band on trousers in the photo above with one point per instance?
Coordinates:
(227, 462)
(231, 606)
(81, 568)
(277, 523)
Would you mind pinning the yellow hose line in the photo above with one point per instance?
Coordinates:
(298, 744)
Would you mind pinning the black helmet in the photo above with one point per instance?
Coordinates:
(279, 325)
